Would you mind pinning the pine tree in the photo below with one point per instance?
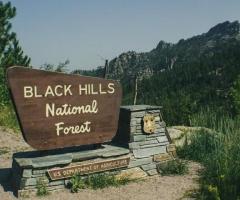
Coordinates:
(10, 51)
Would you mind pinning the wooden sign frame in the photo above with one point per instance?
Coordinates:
(57, 110)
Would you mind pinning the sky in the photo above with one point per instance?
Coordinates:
(88, 31)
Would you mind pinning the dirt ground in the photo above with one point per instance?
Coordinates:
(150, 188)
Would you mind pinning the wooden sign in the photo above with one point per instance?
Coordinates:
(149, 124)
(62, 173)
(57, 110)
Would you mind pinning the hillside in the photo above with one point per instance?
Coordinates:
(184, 77)
(167, 56)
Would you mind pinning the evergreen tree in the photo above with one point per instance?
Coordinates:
(10, 51)
(61, 67)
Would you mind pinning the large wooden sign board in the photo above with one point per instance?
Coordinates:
(57, 110)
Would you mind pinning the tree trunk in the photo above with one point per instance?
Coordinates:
(135, 91)
(105, 69)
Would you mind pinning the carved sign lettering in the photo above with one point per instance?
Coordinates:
(66, 172)
(57, 110)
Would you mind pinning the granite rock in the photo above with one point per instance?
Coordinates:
(149, 167)
(143, 153)
(132, 174)
(139, 162)
(27, 173)
(152, 172)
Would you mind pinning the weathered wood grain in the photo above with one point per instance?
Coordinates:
(39, 130)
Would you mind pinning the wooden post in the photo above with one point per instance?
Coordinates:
(105, 69)
(135, 90)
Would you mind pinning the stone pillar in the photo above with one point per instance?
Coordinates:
(146, 149)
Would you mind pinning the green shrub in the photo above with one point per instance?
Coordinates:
(41, 188)
(219, 153)
(96, 181)
(173, 167)
(101, 181)
(4, 150)
(8, 118)
(202, 144)
(218, 121)
(77, 183)
(210, 192)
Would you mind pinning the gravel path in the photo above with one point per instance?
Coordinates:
(150, 188)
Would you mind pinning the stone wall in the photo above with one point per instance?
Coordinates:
(144, 150)
(30, 168)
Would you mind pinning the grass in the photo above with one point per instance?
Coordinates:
(218, 152)
(173, 167)
(96, 181)
(4, 150)
(41, 188)
(202, 144)
(8, 118)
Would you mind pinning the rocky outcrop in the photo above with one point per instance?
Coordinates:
(130, 64)
(166, 55)
(181, 135)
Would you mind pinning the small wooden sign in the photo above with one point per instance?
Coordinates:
(57, 110)
(61, 173)
(149, 124)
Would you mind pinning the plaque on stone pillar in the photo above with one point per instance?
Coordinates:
(149, 124)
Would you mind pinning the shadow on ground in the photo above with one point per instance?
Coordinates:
(5, 179)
